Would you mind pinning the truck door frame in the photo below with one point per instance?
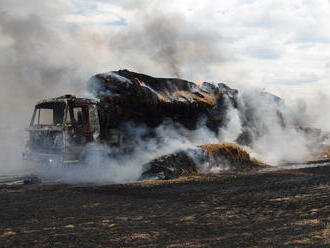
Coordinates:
(82, 129)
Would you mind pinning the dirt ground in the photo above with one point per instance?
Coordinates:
(287, 208)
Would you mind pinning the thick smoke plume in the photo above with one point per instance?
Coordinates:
(169, 43)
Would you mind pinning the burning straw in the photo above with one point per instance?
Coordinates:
(232, 155)
(227, 156)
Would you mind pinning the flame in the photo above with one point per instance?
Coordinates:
(199, 84)
(200, 81)
(138, 80)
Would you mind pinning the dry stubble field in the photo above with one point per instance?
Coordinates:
(288, 208)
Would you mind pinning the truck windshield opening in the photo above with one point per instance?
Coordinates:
(50, 113)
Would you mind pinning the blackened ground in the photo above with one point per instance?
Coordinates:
(268, 209)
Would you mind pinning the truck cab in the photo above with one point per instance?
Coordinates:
(60, 128)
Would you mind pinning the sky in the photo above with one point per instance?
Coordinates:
(280, 46)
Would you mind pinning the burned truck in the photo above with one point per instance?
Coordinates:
(61, 127)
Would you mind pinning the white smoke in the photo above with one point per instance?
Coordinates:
(272, 127)
(233, 127)
(101, 166)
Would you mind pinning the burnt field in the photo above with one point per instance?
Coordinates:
(288, 208)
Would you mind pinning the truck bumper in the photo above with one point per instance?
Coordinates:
(47, 159)
(43, 158)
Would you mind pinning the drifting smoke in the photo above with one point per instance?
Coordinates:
(176, 44)
(165, 43)
(274, 136)
(166, 35)
(128, 167)
(32, 66)
(233, 126)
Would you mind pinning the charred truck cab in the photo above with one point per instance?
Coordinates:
(61, 127)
